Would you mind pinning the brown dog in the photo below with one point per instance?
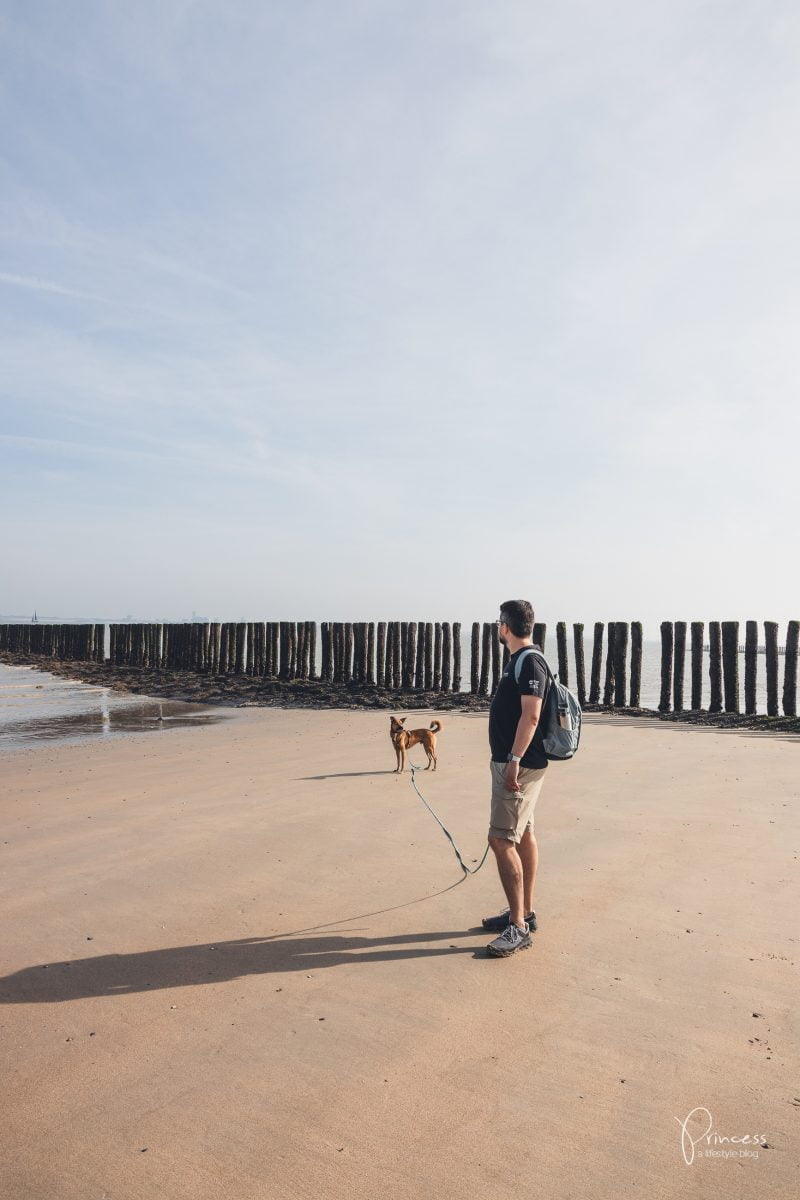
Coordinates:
(404, 739)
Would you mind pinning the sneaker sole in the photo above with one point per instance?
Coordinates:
(507, 953)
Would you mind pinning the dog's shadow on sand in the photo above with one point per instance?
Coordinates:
(186, 966)
(348, 774)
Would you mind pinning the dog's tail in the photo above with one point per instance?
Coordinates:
(435, 726)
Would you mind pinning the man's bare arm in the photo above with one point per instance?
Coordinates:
(526, 727)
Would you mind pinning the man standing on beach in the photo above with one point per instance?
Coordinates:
(518, 766)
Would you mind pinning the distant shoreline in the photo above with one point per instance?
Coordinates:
(246, 691)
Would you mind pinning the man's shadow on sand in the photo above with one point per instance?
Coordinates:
(184, 966)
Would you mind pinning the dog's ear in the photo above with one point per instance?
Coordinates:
(401, 720)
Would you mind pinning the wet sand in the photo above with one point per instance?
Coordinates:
(37, 706)
(241, 962)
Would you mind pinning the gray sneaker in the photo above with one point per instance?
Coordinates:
(498, 924)
(510, 940)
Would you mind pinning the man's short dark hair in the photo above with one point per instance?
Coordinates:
(518, 616)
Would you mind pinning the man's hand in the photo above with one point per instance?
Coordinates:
(511, 776)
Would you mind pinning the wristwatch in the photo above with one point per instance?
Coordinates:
(514, 758)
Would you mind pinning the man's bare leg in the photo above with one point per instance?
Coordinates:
(509, 866)
(529, 857)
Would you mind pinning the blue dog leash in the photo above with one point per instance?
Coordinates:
(467, 870)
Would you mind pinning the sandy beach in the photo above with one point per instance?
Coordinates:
(241, 962)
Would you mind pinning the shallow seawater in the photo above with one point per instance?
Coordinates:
(36, 707)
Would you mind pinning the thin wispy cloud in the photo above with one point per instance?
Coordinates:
(45, 285)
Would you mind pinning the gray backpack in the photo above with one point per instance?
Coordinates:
(561, 712)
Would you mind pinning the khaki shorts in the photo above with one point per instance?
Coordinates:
(512, 812)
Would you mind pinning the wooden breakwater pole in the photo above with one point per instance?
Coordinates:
(715, 666)
(750, 665)
(326, 652)
(213, 647)
(298, 639)
(284, 651)
(359, 653)
(667, 643)
(771, 648)
(387, 674)
(370, 653)
(337, 651)
(428, 676)
(475, 658)
(790, 669)
(636, 664)
(456, 656)
(697, 630)
(404, 673)
(416, 660)
(620, 663)
(597, 662)
(343, 637)
(304, 661)
(388, 668)
(495, 655)
(611, 637)
(410, 657)
(679, 666)
(239, 639)
(561, 650)
(483, 686)
(580, 665)
(266, 649)
(447, 650)
(229, 642)
(256, 649)
(397, 650)
(380, 659)
(349, 649)
(730, 665)
(437, 656)
(303, 670)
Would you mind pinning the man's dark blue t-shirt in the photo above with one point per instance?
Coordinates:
(506, 709)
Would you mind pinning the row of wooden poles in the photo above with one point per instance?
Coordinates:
(391, 654)
(723, 666)
(426, 656)
(70, 643)
(401, 655)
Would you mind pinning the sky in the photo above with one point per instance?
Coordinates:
(394, 310)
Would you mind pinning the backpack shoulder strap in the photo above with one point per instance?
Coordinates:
(524, 655)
